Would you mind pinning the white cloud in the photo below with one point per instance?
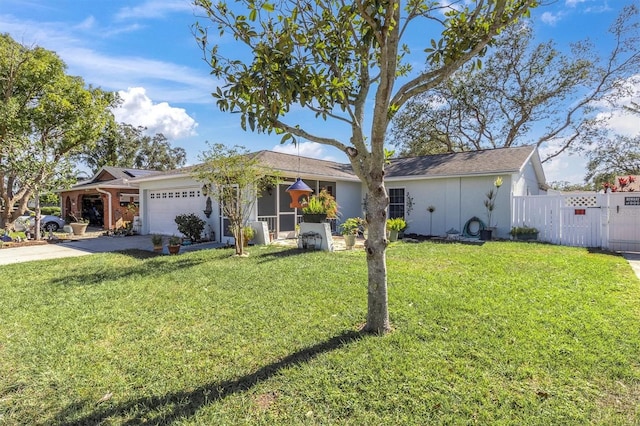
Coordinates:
(306, 149)
(87, 24)
(139, 110)
(550, 18)
(162, 79)
(566, 167)
(153, 9)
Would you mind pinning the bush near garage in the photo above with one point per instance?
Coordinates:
(190, 225)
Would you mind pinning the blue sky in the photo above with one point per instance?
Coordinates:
(145, 50)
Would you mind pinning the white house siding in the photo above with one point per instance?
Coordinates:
(526, 183)
(162, 200)
(349, 197)
(456, 200)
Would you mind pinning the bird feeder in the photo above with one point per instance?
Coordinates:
(297, 191)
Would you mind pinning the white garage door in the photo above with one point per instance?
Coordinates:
(165, 205)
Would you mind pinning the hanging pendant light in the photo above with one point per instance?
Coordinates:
(297, 191)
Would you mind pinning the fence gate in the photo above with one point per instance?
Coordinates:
(624, 221)
(582, 221)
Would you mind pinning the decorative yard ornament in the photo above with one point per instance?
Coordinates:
(298, 191)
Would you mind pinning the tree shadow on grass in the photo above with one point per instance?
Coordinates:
(173, 406)
(281, 254)
(151, 266)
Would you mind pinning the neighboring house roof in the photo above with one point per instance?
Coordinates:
(472, 163)
(111, 177)
(490, 161)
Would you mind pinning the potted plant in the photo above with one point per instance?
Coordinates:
(78, 224)
(524, 233)
(247, 234)
(490, 204)
(174, 244)
(320, 207)
(395, 226)
(156, 240)
(349, 229)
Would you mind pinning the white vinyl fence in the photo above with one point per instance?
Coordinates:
(610, 221)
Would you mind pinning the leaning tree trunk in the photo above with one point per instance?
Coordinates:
(376, 246)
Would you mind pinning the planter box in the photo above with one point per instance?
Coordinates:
(314, 218)
(526, 237)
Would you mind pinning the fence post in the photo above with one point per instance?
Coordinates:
(605, 202)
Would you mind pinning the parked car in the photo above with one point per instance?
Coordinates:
(47, 222)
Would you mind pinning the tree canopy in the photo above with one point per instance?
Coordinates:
(123, 145)
(524, 94)
(348, 62)
(46, 117)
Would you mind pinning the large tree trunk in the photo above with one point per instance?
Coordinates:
(376, 246)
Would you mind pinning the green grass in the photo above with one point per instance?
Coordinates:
(503, 333)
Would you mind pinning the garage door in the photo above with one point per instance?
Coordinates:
(165, 205)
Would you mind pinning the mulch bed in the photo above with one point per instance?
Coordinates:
(14, 244)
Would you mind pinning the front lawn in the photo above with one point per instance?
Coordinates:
(503, 333)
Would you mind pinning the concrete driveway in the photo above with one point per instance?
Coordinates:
(85, 246)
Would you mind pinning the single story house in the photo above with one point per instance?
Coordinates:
(434, 193)
(107, 199)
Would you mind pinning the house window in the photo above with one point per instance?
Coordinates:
(164, 195)
(152, 195)
(184, 194)
(192, 194)
(396, 203)
(171, 195)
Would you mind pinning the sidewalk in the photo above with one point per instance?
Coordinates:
(634, 260)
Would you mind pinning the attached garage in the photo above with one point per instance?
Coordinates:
(164, 199)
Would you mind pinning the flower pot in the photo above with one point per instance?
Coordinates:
(393, 235)
(485, 234)
(350, 241)
(173, 249)
(157, 249)
(79, 228)
(314, 218)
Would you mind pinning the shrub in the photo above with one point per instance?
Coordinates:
(523, 230)
(396, 224)
(190, 225)
(50, 210)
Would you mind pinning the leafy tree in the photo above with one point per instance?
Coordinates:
(524, 94)
(155, 153)
(123, 145)
(235, 179)
(614, 155)
(569, 186)
(343, 60)
(46, 117)
(617, 156)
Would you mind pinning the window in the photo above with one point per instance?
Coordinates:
(152, 195)
(396, 203)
